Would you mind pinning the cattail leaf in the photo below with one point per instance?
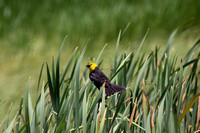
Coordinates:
(116, 51)
(102, 121)
(40, 76)
(187, 108)
(133, 123)
(84, 121)
(148, 126)
(31, 113)
(133, 112)
(53, 74)
(33, 126)
(68, 66)
(58, 66)
(10, 127)
(52, 94)
(1, 124)
(103, 101)
(123, 117)
(96, 99)
(27, 119)
(170, 42)
(136, 89)
(94, 119)
(98, 58)
(122, 65)
(188, 63)
(132, 67)
(69, 119)
(75, 87)
(159, 121)
(144, 105)
(19, 115)
(172, 124)
(42, 111)
(189, 54)
(124, 31)
(118, 107)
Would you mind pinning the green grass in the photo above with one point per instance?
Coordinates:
(17, 68)
(161, 96)
(32, 31)
(21, 21)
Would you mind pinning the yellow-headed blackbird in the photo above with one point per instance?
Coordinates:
(99, 78)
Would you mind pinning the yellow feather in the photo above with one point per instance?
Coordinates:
(92, 66)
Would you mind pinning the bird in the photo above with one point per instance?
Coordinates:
(98, 78)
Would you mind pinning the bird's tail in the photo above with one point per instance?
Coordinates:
(113, 88)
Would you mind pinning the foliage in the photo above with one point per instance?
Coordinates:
(22, 20)
(161, 96)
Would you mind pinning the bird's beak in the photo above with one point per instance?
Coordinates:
(88, 66)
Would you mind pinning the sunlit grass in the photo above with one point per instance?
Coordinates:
(32, 31)
(165, 85)
(16, 68)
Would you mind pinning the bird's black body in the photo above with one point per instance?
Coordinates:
(99, 78)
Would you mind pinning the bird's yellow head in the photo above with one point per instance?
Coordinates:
(91, 66)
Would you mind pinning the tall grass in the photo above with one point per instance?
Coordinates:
(162, 93)
(21, 21)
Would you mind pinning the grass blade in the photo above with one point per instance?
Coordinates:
(124, 31)
(10, 127)
(132, 67)
(27, 119)
(103, 111)
(52, 94)
(98, 58)
(148, 126)
(136, 89)
(119, 103)
(145, 106)
(95, 101)
(190, 104)
(191, 51)
(39, 79)
(19, 115)
(68, 66)
(116, 50)
(123, 117)
(170, 42)
(172, 123)
(159, 120)
(57, 78)
(133, 112)
(76, 87)
(84, 121)
(42, 109)
(102, 122)
(122, 65)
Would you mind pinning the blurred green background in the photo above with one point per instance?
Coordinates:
(31, 32)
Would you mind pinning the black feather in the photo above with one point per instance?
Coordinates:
(99, 78)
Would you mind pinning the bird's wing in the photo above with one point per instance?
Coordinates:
(95, 78)
(98, 76)
(101, 75)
